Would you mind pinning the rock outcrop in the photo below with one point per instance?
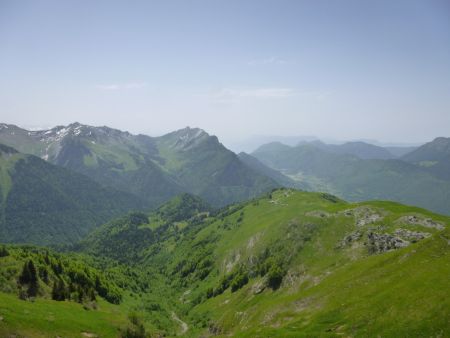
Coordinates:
(379, 243)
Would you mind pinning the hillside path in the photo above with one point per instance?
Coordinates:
(184, 326)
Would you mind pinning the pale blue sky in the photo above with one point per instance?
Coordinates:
(334, 69)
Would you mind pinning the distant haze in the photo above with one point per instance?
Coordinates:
(249, 144)
(336, 70)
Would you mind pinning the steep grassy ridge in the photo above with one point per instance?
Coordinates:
(335, 281)
(304, 264)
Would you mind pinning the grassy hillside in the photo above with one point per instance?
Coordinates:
(289, 263)
(329, 280)
(67, 297)
(47, 318)
(305, 264)
(76, 295)
(45, 204)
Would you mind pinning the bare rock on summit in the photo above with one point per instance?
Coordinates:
(379, 243)
(363, 215)
(349, 239)
(418, 220)
(411, 236)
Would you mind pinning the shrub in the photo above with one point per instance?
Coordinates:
(3, 252)
(275, 277)
(135, 329)
(59, 291)
(239, 281)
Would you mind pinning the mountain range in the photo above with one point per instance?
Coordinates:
(109, 172)
(360, 171)
(152, 168)
(359, 149)
(176, 235)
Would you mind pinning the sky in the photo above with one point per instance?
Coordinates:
(238, 69)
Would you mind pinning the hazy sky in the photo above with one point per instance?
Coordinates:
(335, 69)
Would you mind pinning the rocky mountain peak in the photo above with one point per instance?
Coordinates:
(76, 129)
(188, 138)
(4, 126)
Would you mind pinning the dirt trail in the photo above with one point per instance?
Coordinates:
(184, 326)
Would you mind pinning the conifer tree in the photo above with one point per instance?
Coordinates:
(25, 276)
(59, 290)
(29, 276)
(3, 252)
(33, 283)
